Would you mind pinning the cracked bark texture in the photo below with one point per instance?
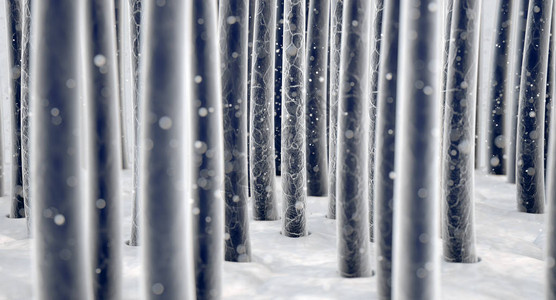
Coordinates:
(416, 263)
(60, 261)
(105, 143)
(353, 119)
(377, 9)
(262, 162)
(25, 52)
(518, 27)
(315, 110)
(208, 173)
(233, 25)
(496, 160)
(336, 12)
(293, 121)
(458, 153)
(14, 30)
(162, 161)
(530, 123)
(385, 147)
(135, 34)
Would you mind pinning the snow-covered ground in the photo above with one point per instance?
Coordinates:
(508, 242)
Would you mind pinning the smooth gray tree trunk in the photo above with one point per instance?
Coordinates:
(59, 208)
(25, 53)
(386, 131)
(416, 267)
(105, 143)
(208, 165)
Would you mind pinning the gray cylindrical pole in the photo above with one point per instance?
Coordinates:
(374, 62)
(496, 160)
(135, 8)
(262, 162)
(233, 25)
(25, 52)
(416, 266)
(519, 24)
(353, 119)
(385, 147)
(17, 209)
(293, 121)
(106, 151)
(458, 153)
(530, 121)
(315, 109)
(59, 222)
(162, 160)
(207, 172)
(336, 12)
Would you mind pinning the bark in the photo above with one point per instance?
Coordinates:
(530, 123)
(233, 25)
(416, 264)
(106, 152)
(261, 141)
(336, 12)
(162, 160)
(519, 24)
(62, 267)
(458, 153)
(207, 172)
(14, 16)
(25, 52)
(315, 110)
(353, 119)
(293, 121)
(385, 147)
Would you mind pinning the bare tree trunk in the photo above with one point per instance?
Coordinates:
(294, 220)
(530, 129)
(416, 266)
(25, 53)
(59, 207)
(353, 119)
(386, 131)
(234, 25)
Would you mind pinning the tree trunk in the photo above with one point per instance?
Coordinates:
(15, 14)
(162, 160)
(25, 52)
(278, 85)
(207, 172)
(106, 152)
(353, 119)
(496, 160)
(135, 7)
(293, 121)
(336, 14)
(62, 267)
(530, 129)
(376, 41)
(233, 25)
(262, 113)
(519, 24)
(458, 153)
(315, 110)
(416, 266)
(385, 147)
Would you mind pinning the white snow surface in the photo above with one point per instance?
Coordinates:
(509, 244)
